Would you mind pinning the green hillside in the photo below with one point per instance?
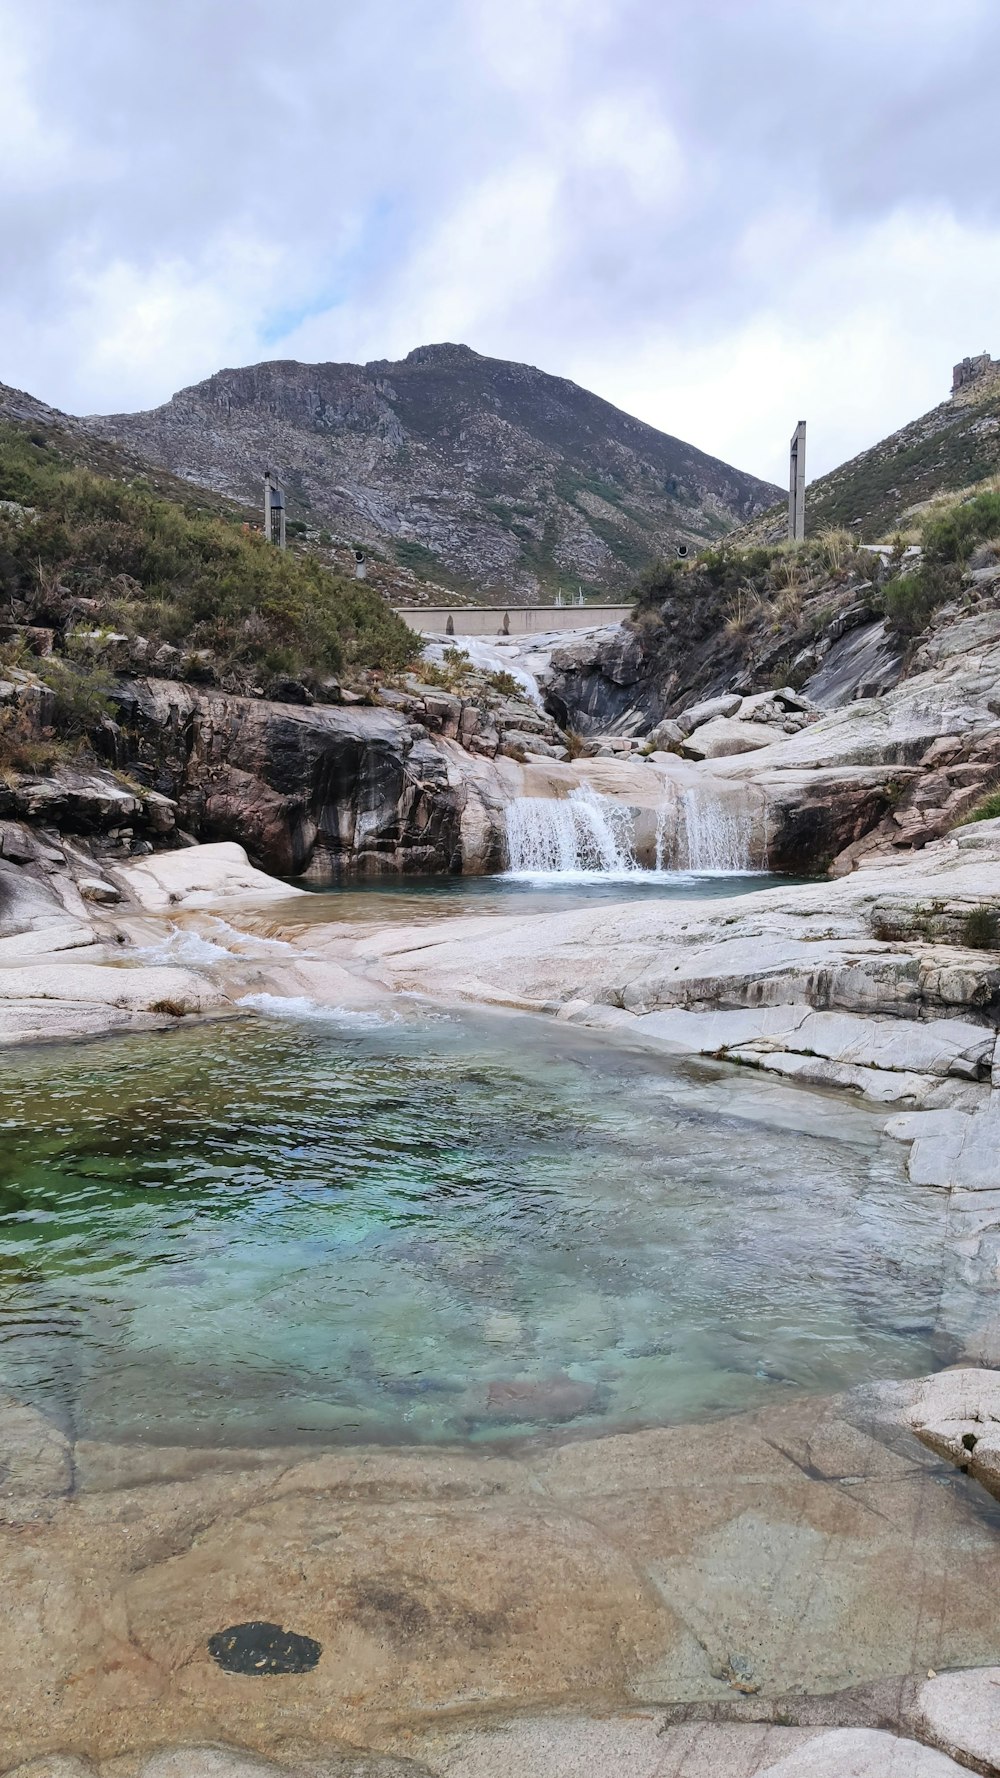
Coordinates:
(85, 550)
(952, 448)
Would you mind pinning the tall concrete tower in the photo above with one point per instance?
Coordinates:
(797, 485)
(274, 510)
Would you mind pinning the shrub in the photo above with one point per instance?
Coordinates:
(182, 576)
(450, 673)
(505, 684)
(910, 600)
(82, 694)
(834, 550)
(21, 748)
(987, 810)
(952, 536)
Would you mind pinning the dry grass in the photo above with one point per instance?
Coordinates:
(743, 608)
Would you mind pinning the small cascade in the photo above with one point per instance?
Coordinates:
(715, 834)
(666, 822)
(581, 832)
(696, 829)
(492, 659)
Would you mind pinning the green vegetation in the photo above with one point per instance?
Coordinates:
(987, 810)
(949, 533)
(915, 465)
(423, 562)
(910, 600)
(952, 535)
(419, 559)
(94, 553)
(448, 674)
(505, 684)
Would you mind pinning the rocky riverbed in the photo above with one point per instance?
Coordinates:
(767, 1594)
(762, 1596)
(807, 1589)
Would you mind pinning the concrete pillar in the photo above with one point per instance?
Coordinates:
(797, 485)
(267, 505)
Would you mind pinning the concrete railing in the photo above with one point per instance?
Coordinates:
(515, 620)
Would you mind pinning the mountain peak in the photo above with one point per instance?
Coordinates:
(444, 353)
(489, 477)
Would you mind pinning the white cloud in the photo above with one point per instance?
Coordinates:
(722, 217)
(860, 338)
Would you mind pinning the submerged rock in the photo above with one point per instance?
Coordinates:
(548, 1400)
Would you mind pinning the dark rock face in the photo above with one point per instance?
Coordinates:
(490, 473)
(652, 667)
(598, 682)
(315, 791)
(809, 827)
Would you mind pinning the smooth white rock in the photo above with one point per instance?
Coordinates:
(863, 1753)
(95, 984)
(960, 1712)
(724, 736)
(613, 1745)
(199, 876)
(727, 704)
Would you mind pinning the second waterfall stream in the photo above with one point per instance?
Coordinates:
(588, 832)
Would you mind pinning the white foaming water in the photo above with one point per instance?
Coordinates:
(581, 832)
(256, 938)
(192, 949)
(180, 948)
(716, 835)
(586, 835)
(299, 1006)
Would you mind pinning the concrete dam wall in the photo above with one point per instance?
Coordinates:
(522, 620)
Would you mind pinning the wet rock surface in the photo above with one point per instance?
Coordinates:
(625, 1578)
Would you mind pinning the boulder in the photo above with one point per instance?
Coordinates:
(97, 889)
(666, 736)
(316, 791)
(199, 876)
(722, 736)
(26, 903)
(726, 705)
(957, 1413)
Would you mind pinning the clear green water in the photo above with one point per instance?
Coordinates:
(538, 892)
(438, 1229)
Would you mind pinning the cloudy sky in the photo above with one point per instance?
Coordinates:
(723, 215)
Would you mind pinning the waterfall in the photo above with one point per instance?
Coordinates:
(696, 829)
(581, 832)
(716, 835)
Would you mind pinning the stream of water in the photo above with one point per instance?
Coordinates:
(439, 1229)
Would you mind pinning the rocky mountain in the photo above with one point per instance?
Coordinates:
(487, 477)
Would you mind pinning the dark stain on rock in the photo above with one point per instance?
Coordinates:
(261, 1649)
(405, 1608)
